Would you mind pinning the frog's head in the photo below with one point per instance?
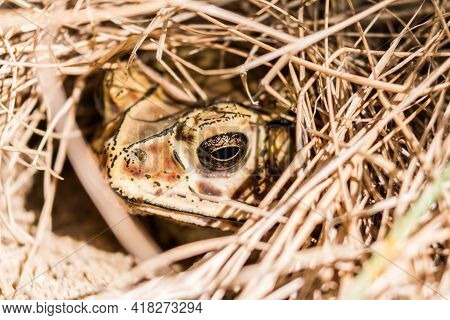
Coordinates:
(166, 159)
(219, 151)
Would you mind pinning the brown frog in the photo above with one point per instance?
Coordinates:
(166, 158)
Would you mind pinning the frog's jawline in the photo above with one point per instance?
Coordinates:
(151, 204)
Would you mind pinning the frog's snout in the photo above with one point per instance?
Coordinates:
(142, 162)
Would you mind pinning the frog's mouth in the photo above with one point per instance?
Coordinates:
(145, 207)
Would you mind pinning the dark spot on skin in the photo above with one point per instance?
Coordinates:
(208, 189)
(132, 168)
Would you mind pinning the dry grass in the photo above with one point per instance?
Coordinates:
(363, 210)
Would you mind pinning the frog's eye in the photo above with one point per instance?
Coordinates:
(223, 151)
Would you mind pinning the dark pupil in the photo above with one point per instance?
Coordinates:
(223, 151)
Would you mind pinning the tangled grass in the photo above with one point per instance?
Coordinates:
(361, 212)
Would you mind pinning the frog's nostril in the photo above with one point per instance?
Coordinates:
(140, 154)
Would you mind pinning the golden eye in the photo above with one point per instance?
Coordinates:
(223, 151)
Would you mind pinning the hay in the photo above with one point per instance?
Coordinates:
(361, 212)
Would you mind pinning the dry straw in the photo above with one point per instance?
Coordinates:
(361, 212)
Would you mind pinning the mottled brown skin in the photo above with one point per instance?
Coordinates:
(169, 167)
